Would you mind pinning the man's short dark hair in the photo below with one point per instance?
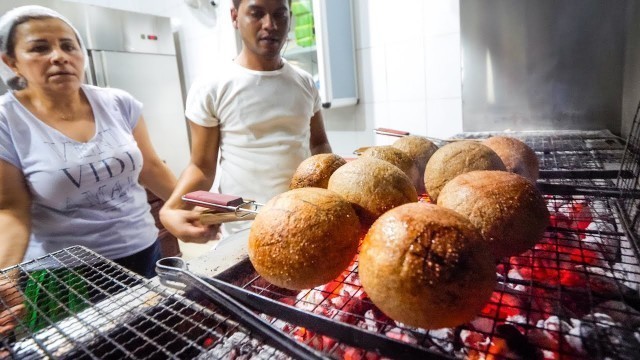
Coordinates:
(236, 3)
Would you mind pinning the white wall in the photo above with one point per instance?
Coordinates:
(408, 56)
(631, 71)
(408, 59)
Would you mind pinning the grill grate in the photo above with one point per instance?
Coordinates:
(82, 306)
(574, 295)
(631, 163)
(577, 152)
(597, 160)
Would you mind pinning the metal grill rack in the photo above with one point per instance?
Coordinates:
(589, 162)
(79, 305)
(631, 164)
(577, 286)
(598, 151)
(574, 295)
(571, 155)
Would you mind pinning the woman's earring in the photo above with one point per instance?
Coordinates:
(17, 83)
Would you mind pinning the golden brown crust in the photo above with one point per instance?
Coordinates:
(304, 238)
(426, 266)
(420, 149)
(507, 208)
(517, 156)
(396, 157)
(372, 186)
(316, 170)
(458, 158)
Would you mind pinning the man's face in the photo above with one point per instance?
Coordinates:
(263, 25)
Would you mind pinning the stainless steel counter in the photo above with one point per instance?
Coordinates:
(229, 251)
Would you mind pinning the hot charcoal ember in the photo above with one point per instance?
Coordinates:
(239, 346)
(573, 295)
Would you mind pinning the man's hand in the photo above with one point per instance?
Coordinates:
(11, 306)
(186, 225)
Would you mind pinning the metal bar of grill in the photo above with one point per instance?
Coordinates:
(82, 306)
(631, 163)
(584, 174)
(348, 334)
(174, 269)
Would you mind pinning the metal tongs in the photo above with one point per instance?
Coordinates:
(223, 208)
(173, 272)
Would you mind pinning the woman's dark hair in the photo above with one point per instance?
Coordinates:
(11, 41)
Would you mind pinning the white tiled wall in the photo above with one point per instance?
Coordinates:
(408, 59)
(407, 52)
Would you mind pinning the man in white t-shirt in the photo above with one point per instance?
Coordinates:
(260, 114)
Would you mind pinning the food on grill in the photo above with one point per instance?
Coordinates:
(426, 266)
(316, 170)
(303, 238)
(458, 158)
(396, 157)
(372, 186)
(507, 208)
(517, 156)
(420, 150)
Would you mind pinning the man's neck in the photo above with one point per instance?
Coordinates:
(259, 64)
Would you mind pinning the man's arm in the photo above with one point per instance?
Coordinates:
(318, 141)
(177, 216)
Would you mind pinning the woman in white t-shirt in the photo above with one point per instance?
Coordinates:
(73, 158)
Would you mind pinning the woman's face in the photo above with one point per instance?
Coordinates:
(47, 54)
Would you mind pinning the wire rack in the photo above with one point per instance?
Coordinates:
(597, 160)
(575, 150)
(631, 164)
(78, 305)
(572, 152)
(574, 295)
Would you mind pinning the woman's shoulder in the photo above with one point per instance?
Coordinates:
(7, 102)
(6, 99)
(105, 92)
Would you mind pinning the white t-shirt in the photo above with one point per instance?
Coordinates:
(82, 193)
(264, 119)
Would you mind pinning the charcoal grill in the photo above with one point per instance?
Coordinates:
(574, 295)
(87, 307)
